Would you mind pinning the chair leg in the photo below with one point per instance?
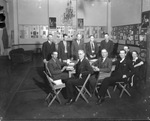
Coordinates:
(123, 90)
(55, 97)
(108, 93)
(81, 93)
(115, 88)
(48, 96)
(88, 92)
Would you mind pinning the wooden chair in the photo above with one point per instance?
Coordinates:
(83, 90)
(123, 86)
(47, 70)
(56, 86)
(101, 77)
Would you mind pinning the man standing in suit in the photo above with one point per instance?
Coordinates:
(123, 70)
(48, 48)
(64, 49)
(107, 44)
(82, 68)
(128, 53)
(57, 68)
(77, 44)
(91, 48)
(102, 66)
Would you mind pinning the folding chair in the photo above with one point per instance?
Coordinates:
(47, 70)
(56, 89)
(101, 77)
(123, 86)
(83, 90)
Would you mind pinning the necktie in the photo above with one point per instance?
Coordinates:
(65, 45)
(92, 47)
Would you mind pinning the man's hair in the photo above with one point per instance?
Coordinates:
(79, 34)
(122, 50)
(106, 34)
(135, 52)
(91, 36)
(65, 35)
(81, 51)
(127, 46)
(105, 50)
(49, 35)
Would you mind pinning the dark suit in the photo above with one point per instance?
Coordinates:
(75, 47)
(108, 46)
(83, 68)
(47, 50)
(129, 55)
(138, 71)
(122, 68)
(54, 67)
(105, 67)
(61, 51)
(89, 50)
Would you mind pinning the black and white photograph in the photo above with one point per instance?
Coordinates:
(52, 22)
(80, 23)
(74, 60)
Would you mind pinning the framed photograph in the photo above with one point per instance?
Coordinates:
(52, 22)
(145, 19)
(136, 37)
(80, 23)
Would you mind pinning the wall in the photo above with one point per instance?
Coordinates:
(124, 12)
(36, 12)
(145, 5)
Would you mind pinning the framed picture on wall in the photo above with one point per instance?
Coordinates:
(80, 23)
(52, 22)
(145, 19)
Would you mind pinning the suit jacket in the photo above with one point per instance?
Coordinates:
(138, 71)
(83, 68)
(104, 66)
(61, 51)
(47, 50)
(129, 55)
(124, 68)
(55, 67)
(75, 47)
(108, 46)
(89, 50)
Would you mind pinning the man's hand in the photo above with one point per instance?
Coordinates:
(124, 76)
(63, 68)
(45, 61)
(80, 76)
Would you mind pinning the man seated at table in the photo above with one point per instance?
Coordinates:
(82, 68)
(102, 66)
(123, 70)
(57, 68)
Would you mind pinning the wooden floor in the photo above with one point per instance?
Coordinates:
(23, 90)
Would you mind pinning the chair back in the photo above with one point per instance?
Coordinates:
(47, 70)
(50, 80)
(87, 78)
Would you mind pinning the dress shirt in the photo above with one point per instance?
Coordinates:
(65, 44)
(122, 60)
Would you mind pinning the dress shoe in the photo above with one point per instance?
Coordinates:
(100, 101)
(70, 101)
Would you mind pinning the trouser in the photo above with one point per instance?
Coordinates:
(70, 86)
(107, 82)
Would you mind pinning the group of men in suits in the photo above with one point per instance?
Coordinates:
(67, 50)
(123, 70)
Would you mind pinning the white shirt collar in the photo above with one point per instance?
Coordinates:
(135, 59)
(122, 60)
